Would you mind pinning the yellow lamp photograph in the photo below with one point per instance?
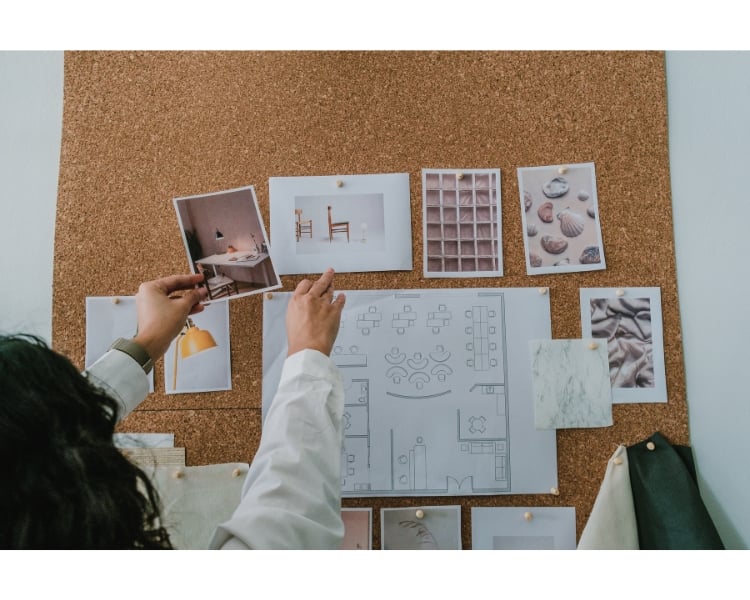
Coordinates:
(200, 353)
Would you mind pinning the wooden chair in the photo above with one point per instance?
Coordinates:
(302, 227)
(217, 285)
(340, 227)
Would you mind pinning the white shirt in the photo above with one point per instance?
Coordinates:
(291, 498)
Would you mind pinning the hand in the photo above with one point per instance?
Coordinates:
(161, 316)
(313, 315)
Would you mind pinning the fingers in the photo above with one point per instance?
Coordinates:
(303, 287)
(324, 284)
(340, 300)
(193, 297)
(174, 283)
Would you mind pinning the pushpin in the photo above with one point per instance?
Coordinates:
(620, 292)
(562, 170)
(269, 295)
(617, 460)
(593, 346)
(178, 474)
(419, 514)
(543, 290)
(459, 176)
(554, 491)
(528, 516)
(339, 183)
(115, 300)
(651, 446)
(237, 472)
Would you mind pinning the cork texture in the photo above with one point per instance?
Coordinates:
(140, 128)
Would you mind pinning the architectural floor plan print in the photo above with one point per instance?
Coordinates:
(437, 391)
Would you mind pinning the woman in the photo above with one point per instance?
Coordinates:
(65, 485)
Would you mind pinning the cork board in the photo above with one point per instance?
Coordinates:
(140, 128)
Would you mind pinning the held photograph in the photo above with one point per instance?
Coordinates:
(225, 239)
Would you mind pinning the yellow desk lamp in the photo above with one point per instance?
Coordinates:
(191, 341)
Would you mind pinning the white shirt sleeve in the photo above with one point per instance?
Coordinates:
(121, 377)
(291, 498)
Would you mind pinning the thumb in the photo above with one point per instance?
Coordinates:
(192, 297)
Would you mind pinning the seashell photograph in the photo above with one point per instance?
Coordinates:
(555, 187)
(571, 224)
(560, 237)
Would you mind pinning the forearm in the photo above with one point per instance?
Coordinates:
(292, 495)
(121, 377)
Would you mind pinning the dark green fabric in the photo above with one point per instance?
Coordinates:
(668, 507)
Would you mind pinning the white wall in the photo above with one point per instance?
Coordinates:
(709, 125)
(709, 144)
(31, 95)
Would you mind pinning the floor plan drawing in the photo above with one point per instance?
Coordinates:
(438, 394)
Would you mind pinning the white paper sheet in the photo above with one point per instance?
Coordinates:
(206, 371)
(376, 209)
(144, 440)
(631, 320)
(517, 528)
(462, 225)
(198, 501)
(421, 528)
(109, 318)
(437, 390)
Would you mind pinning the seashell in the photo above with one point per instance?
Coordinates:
(571, 224)
(559, 263)
(591, 212)
(554, 244)
(531, 230)
(527, 200)
(556, 187)
(545, 212)
(535, 260)
(590, 255)
(583, 195)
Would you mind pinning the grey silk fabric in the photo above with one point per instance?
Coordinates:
(626, 324)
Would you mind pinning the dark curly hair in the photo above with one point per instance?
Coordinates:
(65, 485)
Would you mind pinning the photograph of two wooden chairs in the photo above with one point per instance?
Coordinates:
(305, 227)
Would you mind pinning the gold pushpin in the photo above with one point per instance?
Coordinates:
(554, 491)
(237, 472)
(269, 295)
(419, 514)
(617, 460)
(459, 176)
(651, 446)
(115, 300)
(562, 170)
(543, 290)
(593, 346)
(620, 292)
(178, 474)
(339, 183)
(528, 516)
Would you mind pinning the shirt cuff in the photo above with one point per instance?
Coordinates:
(121, 377)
